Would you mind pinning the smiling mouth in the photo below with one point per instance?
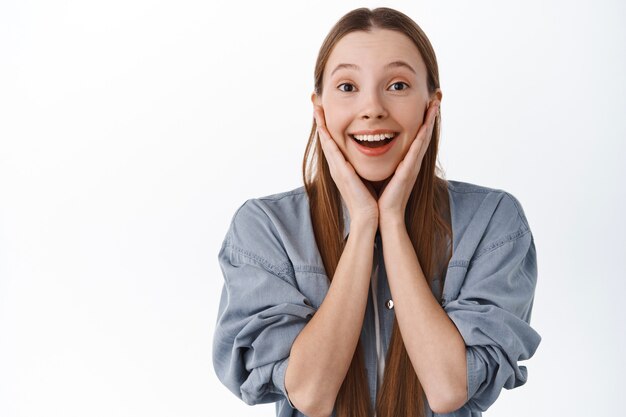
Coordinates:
(374, 141)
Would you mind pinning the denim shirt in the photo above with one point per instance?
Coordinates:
(274, 281)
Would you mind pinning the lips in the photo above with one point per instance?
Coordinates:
(372, 147)
(373, 138)
(372, 132)
(372, 141)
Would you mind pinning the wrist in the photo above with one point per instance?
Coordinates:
(364, 226)
(391, 221)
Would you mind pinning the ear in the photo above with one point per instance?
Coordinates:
(315, 99)
(436, 95)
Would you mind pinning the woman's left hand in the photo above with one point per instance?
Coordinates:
(396, 191)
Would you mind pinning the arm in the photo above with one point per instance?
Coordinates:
(493, 308)
(432, 341)
(319, 360)
(321, 354)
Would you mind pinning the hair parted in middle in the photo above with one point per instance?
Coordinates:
(427, 219)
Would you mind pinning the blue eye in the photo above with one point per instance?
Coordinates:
(400, 83)
(351, 87)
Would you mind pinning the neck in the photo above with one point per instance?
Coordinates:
(378, 185)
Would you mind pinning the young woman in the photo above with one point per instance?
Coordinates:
(377, 288)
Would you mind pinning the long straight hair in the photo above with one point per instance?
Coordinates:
(427, 220)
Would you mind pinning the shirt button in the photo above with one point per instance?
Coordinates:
(389, 304)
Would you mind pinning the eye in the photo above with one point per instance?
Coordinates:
(350, 87)
(399, 86)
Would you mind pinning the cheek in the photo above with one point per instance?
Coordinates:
(411, 117)
(337, 121)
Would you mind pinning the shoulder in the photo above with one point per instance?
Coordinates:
(497, 204)
(270, 210)
(484, 218)
(263, 227)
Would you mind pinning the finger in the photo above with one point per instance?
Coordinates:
(320, 120)
(420, 144)
(329, 146)
(336, 161)
(321, 124)
(431, 117)
(341, 170)
(434, 112)
(431, 112)
(426, 130)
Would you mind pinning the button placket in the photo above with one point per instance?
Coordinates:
(377, 244)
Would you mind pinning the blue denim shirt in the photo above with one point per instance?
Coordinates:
(274, 281)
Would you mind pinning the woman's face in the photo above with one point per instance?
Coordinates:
(374, 83)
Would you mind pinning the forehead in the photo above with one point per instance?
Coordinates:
(375, 49)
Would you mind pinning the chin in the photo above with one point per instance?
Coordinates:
(375, 176)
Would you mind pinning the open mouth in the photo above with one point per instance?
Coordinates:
(374, 141)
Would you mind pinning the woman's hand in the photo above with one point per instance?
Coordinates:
(396, 190)
(358, 196)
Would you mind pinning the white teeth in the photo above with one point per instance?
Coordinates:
(372, 138)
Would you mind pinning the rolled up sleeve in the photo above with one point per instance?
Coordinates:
(261, 313)
(492, 313)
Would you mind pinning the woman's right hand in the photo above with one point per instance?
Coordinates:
(358, 196)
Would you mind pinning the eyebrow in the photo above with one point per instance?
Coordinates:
(394, 64)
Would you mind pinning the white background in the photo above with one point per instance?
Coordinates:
(130, 132)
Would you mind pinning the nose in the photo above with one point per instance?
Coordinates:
(373, 107)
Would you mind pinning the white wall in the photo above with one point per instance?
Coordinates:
(130, 131)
